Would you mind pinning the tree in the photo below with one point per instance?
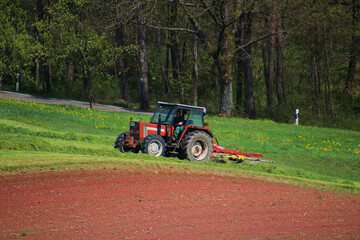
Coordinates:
(223, 15)
(309, 53)
(173, 45)
(17, 45)
(280, 81)
(268, 51)
(273, 52)
(43, 23)
(120, 64)
(196, 70)
(354, 48)
(244, 65)
(144, 82)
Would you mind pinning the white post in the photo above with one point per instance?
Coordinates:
(297, 116)
(18, 76)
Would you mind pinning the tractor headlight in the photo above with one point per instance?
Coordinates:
(132, 124)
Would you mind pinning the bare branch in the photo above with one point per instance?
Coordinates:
(209, 10)
(182, 3)
(239, 48)
(170, 29)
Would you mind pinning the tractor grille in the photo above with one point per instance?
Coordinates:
(134, 129)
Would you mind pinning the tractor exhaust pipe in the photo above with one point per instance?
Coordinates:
(159, 125)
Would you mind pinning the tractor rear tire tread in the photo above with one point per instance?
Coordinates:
(200, 139)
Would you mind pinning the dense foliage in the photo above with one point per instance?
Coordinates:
(259, 58)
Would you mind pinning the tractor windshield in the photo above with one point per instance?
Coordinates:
(167, 114)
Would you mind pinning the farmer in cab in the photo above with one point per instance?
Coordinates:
(178, 124)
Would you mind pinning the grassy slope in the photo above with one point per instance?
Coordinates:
(40, 135)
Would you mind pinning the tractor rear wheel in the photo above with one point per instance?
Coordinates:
(120, 141)
(197, 146)
(153, 144)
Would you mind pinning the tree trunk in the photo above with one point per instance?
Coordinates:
(354, 49)
(120, 63)
(249, 91)
(175, 56)
(162, 62)
(91, 96)
(173, 44)
(327, 90)
(87, 80)
(316, 87)
(270, 71)
(240, 76)
(181, 70)
(48, 81)
(280, 83)
(196, 70)
(88, 89)
(70, 76)
(38, 62)
(225, 65)
(144, 83)
(48, 78)
(37, 70)
(123, 85)
(215, 75)
(239, 83)
(244, 66)
(226, 103)
(166, 70)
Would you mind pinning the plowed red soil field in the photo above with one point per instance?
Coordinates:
(143, 204)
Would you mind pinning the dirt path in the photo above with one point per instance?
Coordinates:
(28, 97)
(124, 203)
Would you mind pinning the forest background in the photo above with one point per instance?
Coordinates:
(255, 59)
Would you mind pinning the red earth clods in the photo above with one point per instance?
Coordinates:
(143, 204)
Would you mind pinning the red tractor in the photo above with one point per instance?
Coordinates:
(173, 129)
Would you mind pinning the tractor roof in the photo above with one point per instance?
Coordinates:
(183, 106)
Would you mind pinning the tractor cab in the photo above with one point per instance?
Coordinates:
(166, 112)
(174, 128)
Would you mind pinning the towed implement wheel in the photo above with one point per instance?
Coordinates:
(153, 144)
(197, 146)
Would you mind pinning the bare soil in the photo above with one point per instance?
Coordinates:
(125, 203)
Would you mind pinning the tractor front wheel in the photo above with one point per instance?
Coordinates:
(197, 146)
(120, 141)
(153, 144)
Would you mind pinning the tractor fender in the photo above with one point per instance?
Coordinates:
(210, 133)
(207, 130)
(192, 128)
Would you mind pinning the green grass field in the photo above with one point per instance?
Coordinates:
(35, 135)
